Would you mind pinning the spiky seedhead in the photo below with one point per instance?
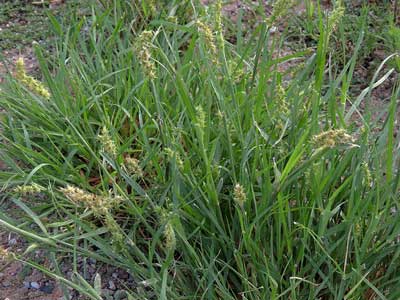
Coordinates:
(31, 83)
(107, 143)
(6, 255)
(132, 166)
(208, 36)
(169, 236)
(332, 138)
(200, 117)
(279, 10)
(335, 17)
(174, 156)
(239, 195)
(28, 189)
(143, 47)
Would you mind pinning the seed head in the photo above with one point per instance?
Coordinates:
(143, 47)
(200, 117)
(218, 24)
(133, 167)
(114, 229)
(30, 82)
(174, 156)
(335, 17)
(367, 174)
(28, 189)
(6, 255)
(282, 104)
(239, 195)
(333, 138)
(107, 143)
(279, 10)
(169, 236)
(96, 203)
(207, 34)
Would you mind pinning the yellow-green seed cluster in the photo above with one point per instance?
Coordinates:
(107, 143)
(169, 236)
(143, 47)
(133, 167)
(166, 219)
(28, 189)
(208, 36)
(100, 205)
(281, 100)
(200, 117)
(115, 230)
(332, 138)
(239, 195)
(31, 83)
(280, 9)
(218, 24)
(6, 255)
(367, 174)
(173, 155)
(335, 17)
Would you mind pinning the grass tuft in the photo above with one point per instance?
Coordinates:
(200, 166)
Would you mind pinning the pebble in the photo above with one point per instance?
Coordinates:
(6, 283)
(107, 294)
(111, 285)
(123, 275)
(27, 284)
(92, 261)
(48, 289)
(12, 242)
(120, 295)
(35, 285)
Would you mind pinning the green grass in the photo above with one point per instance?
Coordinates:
(243, 182)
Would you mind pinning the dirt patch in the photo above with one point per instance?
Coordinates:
(18, 282)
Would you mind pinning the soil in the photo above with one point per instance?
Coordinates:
(17, 282)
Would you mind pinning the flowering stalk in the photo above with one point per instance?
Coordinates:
(143, 46)
(107, 143)
(30, 82)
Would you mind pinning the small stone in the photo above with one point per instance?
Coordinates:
(111, 285)
(27, 284)
(120, 295)
(12, 242)
(107, 294)
(114, 275)
(35, 285)
(6, 283)
(123, 275)
(92, 261)
(48, 289)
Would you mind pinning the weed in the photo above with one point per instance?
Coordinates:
(203, 183)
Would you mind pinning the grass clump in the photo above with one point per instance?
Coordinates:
(199, 169)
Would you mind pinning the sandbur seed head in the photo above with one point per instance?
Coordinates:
(133, 167)
(169, 236)
(333, 138)
(31, 83)
(239, 195)
(143, 47)
(107, 143)
(28, 189)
